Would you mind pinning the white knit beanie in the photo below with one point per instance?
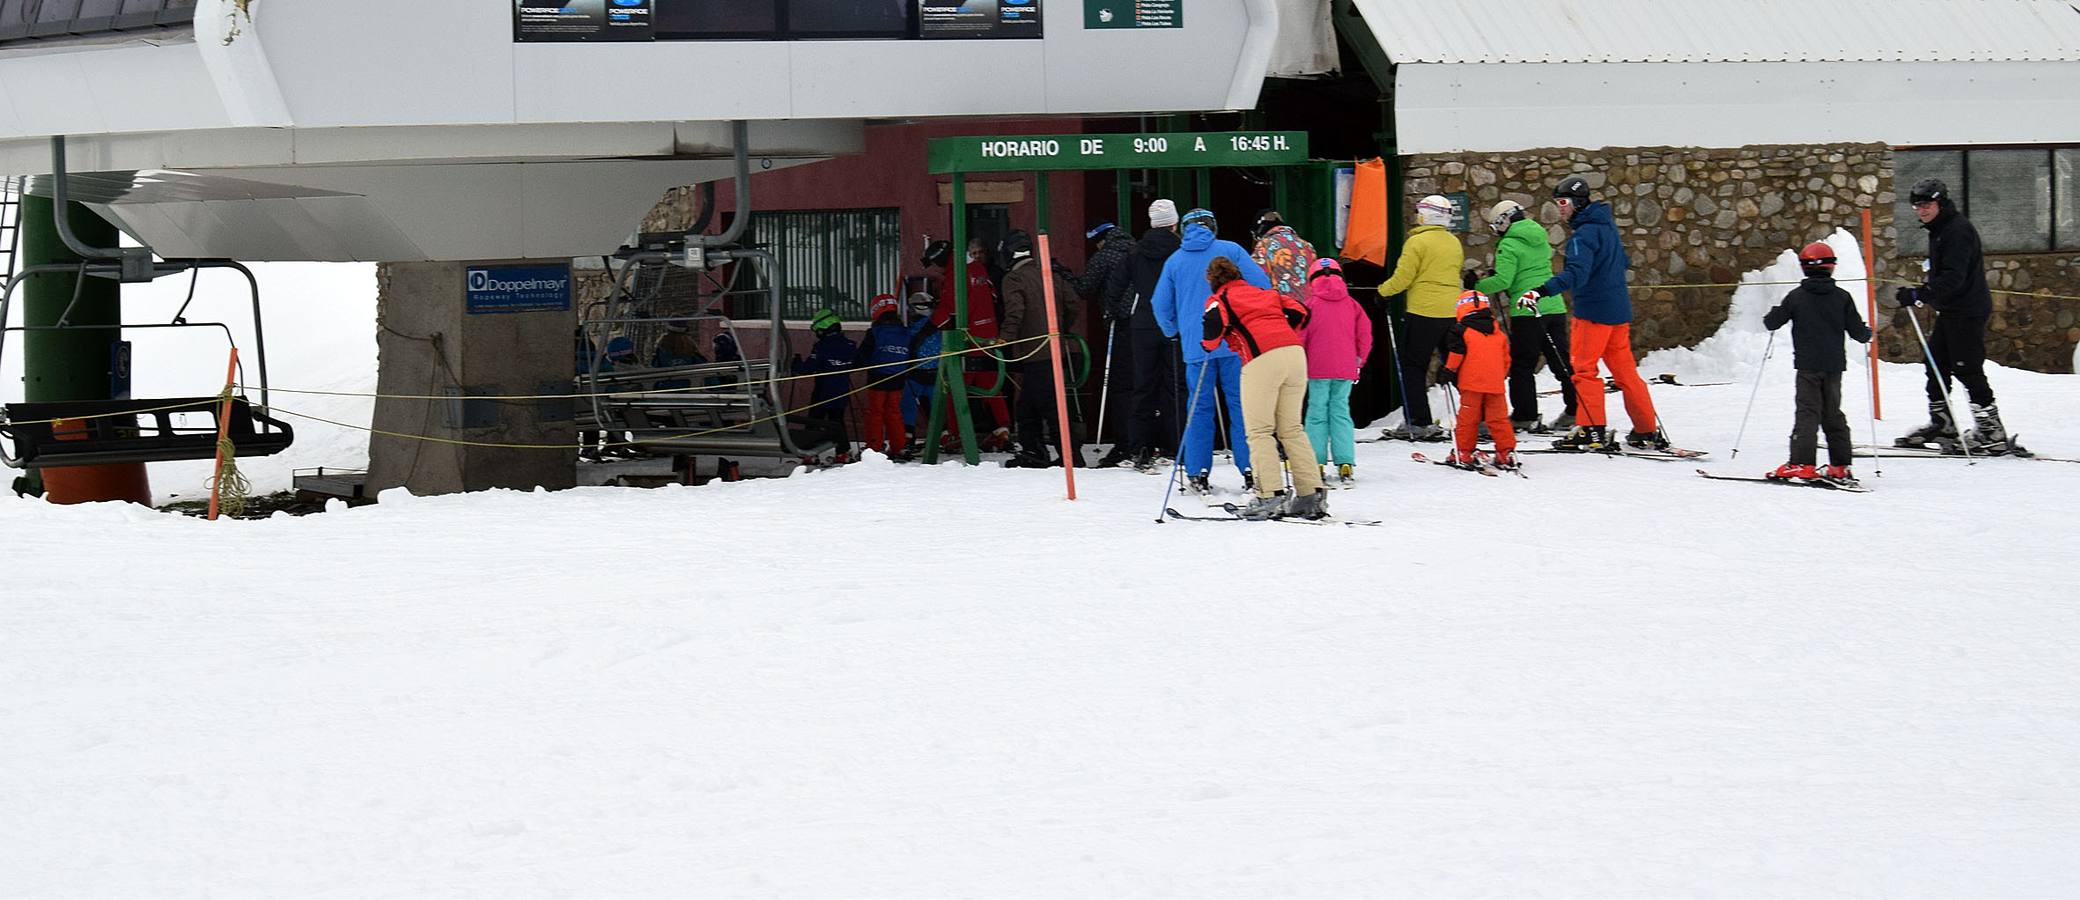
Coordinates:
(1162, 214)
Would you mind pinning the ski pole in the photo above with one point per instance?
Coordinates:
(1767, 349)
(1177, 462)
(1400, 372)
(1870, 361)
(1942, 381)
(1105, 385)
(1563, 368)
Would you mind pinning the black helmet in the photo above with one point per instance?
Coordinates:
(1267, 219)
(937, 253)
(1928, 189)
(1015, 242)
(1574, 188)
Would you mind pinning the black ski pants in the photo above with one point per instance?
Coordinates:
(1819, 400)
(1035, 409)
(1422, 341)
(1959, 346)
(1152, 394)
(1532, 338)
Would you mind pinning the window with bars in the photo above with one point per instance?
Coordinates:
(834, 259)
(30, 19)
(2021, 200)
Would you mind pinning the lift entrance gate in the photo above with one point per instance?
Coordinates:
(1044, 154)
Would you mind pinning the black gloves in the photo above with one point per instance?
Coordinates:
(1468, 278)
(1448, 376)
(1907, 296)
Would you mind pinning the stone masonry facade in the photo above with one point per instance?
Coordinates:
(1695, 220)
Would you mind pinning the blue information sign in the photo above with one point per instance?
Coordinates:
(512, 289)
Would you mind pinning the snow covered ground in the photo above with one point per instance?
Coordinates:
(1613, 678)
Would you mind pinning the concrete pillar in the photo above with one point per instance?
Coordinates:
(471, 329)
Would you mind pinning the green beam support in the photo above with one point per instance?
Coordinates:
(952, 381)
(1040, 201)
(1123, 186)
(72, 364)
(1202, 188)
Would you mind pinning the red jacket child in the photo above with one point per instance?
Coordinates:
(1479, 365)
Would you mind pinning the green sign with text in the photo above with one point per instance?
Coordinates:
(1133, 13)
(1177, 150)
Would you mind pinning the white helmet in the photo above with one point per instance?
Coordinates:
(1434, 210)
(1504, 214)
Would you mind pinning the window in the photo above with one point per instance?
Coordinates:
(61, 18)
(781, 19)
(836, 259)
(2021, 200)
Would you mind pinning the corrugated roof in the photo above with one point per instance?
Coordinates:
(1613, 31)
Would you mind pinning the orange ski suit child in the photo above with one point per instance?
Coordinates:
(1479, 364)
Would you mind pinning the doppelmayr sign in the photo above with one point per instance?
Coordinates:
(512, 289)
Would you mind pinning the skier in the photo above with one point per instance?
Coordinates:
(1180, 301)
(982, 329)
(1956, 288)
(1260, 326)
(881, 355)
(1819, 313)
(1152, 390)
(1524, 262)
(1337, 339)
(1595, 275)
(1286, 257)
(831, 362)
(1479, 365)
(1025, 316)
(924, 347)
(1114, 254)
(1428, 271)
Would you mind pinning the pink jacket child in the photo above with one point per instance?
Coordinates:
(1338, 336)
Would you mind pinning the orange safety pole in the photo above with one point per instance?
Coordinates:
(1870, 297)
(216, 484)
(1054, 350)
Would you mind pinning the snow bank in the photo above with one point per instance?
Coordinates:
(1735, 351)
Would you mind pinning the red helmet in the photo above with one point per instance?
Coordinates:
(1472, 302)
(1816, 255)
(883, 303)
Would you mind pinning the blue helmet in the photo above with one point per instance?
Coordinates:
(1200, 216)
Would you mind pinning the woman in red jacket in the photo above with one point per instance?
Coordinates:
(1262, 326)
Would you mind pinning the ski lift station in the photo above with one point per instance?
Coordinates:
(548, 185)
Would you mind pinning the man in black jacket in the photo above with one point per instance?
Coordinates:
(1115, 249)
(1151, 397)
(1956, 288)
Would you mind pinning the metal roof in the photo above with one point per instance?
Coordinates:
(1614, 31)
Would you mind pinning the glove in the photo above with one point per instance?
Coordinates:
(1448, 376)
(1529, 301)
(1468, 278)
(1907, 297)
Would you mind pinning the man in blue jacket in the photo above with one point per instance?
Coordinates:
(1602, 332)
(1179, 303)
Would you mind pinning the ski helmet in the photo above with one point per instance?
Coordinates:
(1097, 231)
(882, 303)
(937, 253)
(1816, 258)
(922, 303)
(1928, 190)
(1573, 188)
(1502, 215)
(1324, 267)
(1266, 220)
(1201, 216)
(824, 321)
(1434, 210)
(1472, 303)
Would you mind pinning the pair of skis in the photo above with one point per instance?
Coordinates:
(1485, 467)
(1851, 487)
(1234, 515)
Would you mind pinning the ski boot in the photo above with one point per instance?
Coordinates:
(1507, 461)
(1249, 479)
(1346, 476)
(1839, 475)
(1561, 422)
(1647, 440)
(1529, 426)
(1584, 438)
(1794, 472)
(1024, 460)
(1198, 484)
(1314, 505)
(999, 439)
(1119, 455)
(1463, 459)
(1264, 507)
(1939, 428)
(1988, 435)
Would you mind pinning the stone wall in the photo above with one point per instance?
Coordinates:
(1695, 220)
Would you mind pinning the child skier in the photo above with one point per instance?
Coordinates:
(1819, 313)
(1479, 365)
(881, 356)
(924, 347)
(831, 362)
(1337, 339)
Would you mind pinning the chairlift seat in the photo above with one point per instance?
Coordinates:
(107, 432)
